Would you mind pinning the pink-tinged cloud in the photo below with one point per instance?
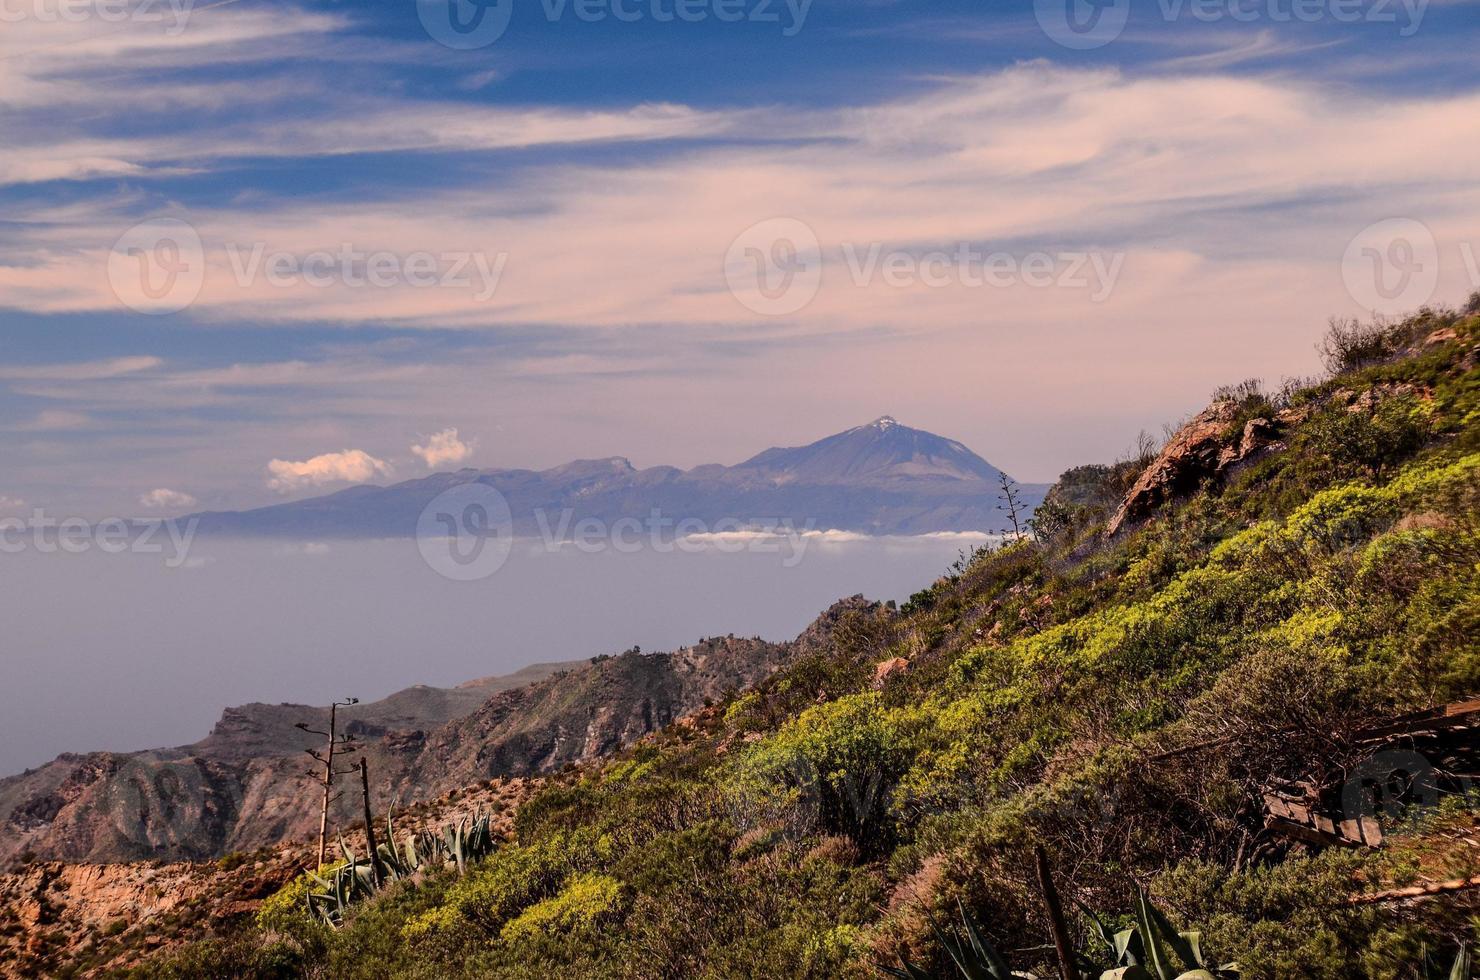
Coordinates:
(443, 449)
(1064, 159)
(347, 466)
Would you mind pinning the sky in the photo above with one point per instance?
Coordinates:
(255, 250)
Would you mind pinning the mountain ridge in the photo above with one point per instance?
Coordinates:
(244, 785)
(880, 478)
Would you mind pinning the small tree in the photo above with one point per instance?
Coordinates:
(1011, 499)
(333, 741)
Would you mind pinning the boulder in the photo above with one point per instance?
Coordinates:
(889, 668)
(1192, 455)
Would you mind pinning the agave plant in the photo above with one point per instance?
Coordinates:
(971, 955)
(355, 879)
(1153, 949)
(345, 883)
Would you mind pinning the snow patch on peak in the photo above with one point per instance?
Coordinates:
(884, 423)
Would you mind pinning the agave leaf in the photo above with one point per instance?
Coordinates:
(1166, 933)
(1102, 932)
(1156, 955)
(907, 971)
(957, 952)
(1461, 968)
(1127, 973)
(1193, 939)
(985, 951)
(1129, 949)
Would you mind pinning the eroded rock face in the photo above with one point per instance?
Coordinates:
(57, 912)
(1190, 457)
(1208, 447)
(887, 669)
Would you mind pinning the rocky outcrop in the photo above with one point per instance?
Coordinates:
(887, 669)
(1210, 446)
(1189, 458)
(60, 919)
(82, 917)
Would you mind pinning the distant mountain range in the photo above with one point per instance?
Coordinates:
(879, 478)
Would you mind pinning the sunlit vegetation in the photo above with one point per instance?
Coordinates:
(1121, 702)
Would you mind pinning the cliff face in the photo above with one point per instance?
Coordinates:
(245, 786)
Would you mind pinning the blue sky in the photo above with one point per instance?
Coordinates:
(582, 188)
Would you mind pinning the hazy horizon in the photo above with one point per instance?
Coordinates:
(135, 654)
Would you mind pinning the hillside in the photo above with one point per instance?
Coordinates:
(1233, 672)
(879, 478)
(245, 785)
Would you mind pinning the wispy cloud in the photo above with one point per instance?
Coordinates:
(1066, 158)
(80, 370)
(1262, 45)
(52, 100)
(163, 498)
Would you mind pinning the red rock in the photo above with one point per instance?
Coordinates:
(889, 668)
(1191, 456)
